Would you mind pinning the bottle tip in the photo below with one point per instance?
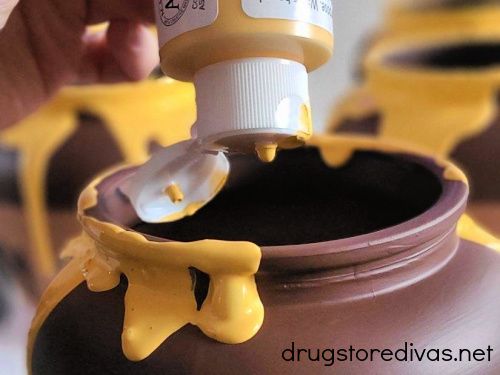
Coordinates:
(266, 151)
(174, 192)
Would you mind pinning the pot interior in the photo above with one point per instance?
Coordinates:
(298, 199)
(464, 55)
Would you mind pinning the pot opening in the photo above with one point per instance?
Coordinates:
(464, 55)
(298, 199)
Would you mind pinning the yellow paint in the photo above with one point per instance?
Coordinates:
(37, 143)
(266, 151)
(306, 121)
(336, 150)
(219, 179)
(174, 192)
(160, 110)
(303, 135)
(402, 21)
(134, 113)
(240, 36)
(469, 230)
(159, 298)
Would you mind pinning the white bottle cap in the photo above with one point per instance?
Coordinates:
(176, 182)
(252, 101)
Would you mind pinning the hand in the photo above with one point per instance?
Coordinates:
(44, 45)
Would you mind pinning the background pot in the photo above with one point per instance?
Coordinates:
(359, 247)
(407, 17)
(48, 158)
(440, 94)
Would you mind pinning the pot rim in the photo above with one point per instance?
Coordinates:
(439, 218)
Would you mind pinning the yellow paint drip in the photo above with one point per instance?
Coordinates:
(159, 298)
(266, 151)
(306, 119)
(174, 192)
(219, 180)
(134, 113)
(62, 285)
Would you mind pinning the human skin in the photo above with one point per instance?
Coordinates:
(44, 46)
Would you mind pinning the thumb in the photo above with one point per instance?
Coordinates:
(6, 7)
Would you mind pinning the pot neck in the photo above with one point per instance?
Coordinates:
(370, 264)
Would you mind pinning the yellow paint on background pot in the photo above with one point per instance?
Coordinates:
(159, 298)
(407, 20)
(337, 150)
(434, 108)
(469, 230)
(134, 113)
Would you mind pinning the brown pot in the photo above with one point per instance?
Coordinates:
(357, 245)
(48, 158)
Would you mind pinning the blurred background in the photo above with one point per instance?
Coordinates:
(354, 20)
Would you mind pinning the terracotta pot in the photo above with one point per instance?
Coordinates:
(47, 159)
(357, 245)
(441, 94)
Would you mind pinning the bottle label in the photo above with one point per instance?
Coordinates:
(316, 12)
(175, 17)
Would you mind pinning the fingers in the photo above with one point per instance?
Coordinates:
(6, 8)
(135, 47)
(127, 51)
(132, 10)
